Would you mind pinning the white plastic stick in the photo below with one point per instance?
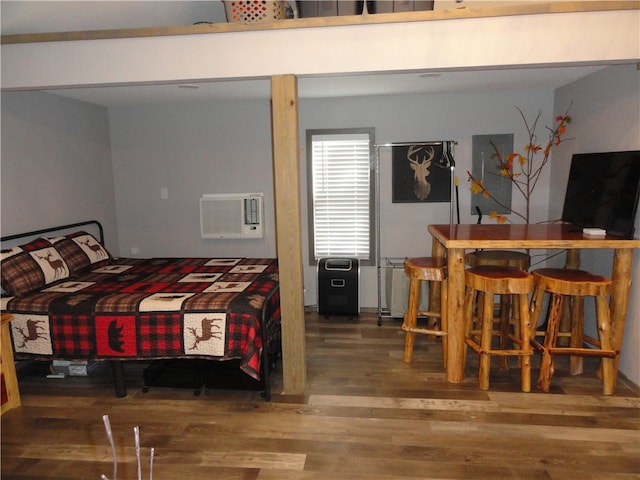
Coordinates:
(107, 427)
(136, 434)
(151, 464)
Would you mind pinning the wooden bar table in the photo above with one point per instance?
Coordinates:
(451, 241)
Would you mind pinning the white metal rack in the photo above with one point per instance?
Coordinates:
(383, 264)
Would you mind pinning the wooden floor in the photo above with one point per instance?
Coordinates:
(367, 415)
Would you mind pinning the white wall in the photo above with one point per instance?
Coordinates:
(56, 164)
(443, 44)
(606, 117)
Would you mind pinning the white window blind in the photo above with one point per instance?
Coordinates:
(342, 195)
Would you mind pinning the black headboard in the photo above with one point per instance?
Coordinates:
(56, 229)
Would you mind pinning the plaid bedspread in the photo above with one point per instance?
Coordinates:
(150, 309)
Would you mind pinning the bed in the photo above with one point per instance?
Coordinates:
(71, 300)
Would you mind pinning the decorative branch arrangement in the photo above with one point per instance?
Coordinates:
(522, 169)
(136, 435)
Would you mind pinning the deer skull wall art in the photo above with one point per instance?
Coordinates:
(419, 174)
(420, 167)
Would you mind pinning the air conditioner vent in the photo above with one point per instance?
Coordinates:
(231, 215)
(251, 211)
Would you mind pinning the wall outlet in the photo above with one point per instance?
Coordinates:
(164, 193)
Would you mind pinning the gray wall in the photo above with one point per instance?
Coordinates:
(606, 117)
(422, 118)
(193, 149)
(56, 164)
(190, 149)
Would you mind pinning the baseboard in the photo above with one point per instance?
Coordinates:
(314, 309)
(629, 383)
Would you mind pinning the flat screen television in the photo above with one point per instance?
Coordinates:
(603, 191)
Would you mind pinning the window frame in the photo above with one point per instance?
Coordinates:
(310, 134)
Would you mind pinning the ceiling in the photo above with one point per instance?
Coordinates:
(53, 16)
(340, 86)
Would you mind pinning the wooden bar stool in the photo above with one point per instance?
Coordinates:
(507, 315)
(561, 284)
(420, 269)
(489, 281)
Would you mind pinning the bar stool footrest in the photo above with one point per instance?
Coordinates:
(583, 352)
(426, 331)
(497, 353)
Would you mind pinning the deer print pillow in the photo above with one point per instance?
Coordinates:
(31, 266)
(81, 251)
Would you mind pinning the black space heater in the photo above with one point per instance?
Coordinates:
(338, 290)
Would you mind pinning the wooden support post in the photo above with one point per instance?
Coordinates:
(7, 368)
(286, 173)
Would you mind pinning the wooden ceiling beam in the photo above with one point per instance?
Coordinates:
(534, 8)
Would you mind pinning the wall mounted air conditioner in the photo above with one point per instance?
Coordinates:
(231, 215)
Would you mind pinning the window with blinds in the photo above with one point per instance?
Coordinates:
(341, 186)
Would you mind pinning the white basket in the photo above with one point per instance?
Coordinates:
(254, 11)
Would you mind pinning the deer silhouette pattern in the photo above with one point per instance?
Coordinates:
(204, 334)
(31, 334)
(53, 267)
(209, 330)
(92, 248)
